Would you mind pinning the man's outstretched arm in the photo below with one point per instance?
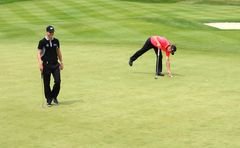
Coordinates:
(168, 67)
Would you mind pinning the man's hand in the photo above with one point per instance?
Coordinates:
(61, 66)
(41, 67)
(170, 75)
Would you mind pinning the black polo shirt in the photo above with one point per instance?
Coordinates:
(49, 50)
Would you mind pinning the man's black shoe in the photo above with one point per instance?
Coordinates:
(49, 104)
(130, 62)
(160, 74)
(55, 100)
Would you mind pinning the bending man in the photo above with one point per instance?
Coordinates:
(157, 42)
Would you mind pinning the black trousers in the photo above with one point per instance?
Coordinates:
(147, 46)
(53, 69)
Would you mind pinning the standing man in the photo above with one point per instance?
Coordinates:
(157, 42)
(50, 62)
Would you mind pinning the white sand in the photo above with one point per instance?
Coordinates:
(225, 25)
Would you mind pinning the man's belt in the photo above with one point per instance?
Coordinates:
(50, 62)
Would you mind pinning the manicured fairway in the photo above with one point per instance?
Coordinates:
(104, 103)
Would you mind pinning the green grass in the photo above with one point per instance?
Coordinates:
(214, 2)
(11, 1)
(104, 102)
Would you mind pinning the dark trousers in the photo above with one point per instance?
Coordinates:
(147, 46)
(55, 71)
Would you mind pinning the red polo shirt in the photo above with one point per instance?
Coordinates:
(164, 43)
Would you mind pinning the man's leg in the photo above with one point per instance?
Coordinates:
(159, 69)
(148, 45)
(46, 81)
(57, 82)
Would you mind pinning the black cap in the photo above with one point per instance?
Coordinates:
(174, 49)
(50, 29)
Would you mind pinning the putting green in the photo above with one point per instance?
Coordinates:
(103, 101)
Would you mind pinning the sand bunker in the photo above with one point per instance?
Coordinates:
(225, 25)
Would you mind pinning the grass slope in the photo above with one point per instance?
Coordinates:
(222, 2)
(103, 101)
(11, 1)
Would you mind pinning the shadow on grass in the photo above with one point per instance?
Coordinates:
(144, 73)
(165, 74)
(70, 102)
